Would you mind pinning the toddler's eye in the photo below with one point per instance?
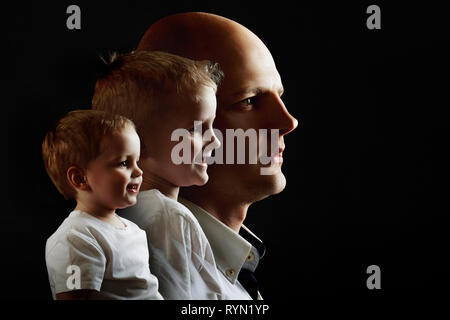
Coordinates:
(123, 164)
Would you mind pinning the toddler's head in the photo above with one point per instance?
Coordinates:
(91, 156)
(161, 93)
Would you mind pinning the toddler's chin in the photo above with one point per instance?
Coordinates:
(130, 202)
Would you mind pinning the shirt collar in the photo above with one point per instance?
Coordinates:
(231, 250)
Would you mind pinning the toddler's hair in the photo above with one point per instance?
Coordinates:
(75, 141)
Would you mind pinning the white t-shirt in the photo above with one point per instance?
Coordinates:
(180, 254)
(88, 253)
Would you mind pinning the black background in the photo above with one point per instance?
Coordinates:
(365, 168)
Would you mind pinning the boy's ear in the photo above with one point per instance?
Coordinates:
(77, 178)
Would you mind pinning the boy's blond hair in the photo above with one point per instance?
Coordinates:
(75, 141)
(136, 83)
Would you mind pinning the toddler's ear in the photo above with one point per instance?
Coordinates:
(77, 178)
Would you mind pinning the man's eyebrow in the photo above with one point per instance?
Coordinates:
(248, 91)
(256, 91)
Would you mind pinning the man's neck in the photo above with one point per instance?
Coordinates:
(230, 213)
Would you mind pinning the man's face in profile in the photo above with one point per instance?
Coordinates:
(250, 98)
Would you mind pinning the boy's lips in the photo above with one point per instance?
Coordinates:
(203, 164)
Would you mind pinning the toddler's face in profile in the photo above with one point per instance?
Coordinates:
(180, 112)
(113, 177)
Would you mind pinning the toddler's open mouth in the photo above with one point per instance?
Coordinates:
(133, 187)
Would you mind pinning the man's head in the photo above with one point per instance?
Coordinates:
(161, 92)
(249, 96)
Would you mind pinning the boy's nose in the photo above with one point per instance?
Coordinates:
(214, 139)
(210, 138)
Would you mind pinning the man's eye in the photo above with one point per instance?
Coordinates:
(246, 104)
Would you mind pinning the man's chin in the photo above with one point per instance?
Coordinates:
(268, 185)
(241, 182)
(278, 182)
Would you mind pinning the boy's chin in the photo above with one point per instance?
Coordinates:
(203, 181)
(197, 180)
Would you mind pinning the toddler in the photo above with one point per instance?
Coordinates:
(92, 156)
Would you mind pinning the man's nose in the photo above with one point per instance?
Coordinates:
(283, 120)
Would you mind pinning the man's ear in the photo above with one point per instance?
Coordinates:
(77, 178)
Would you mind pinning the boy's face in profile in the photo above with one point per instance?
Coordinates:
(179, 111)
(113, 177)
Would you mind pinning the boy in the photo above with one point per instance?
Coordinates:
(92, 157)
(163, 93)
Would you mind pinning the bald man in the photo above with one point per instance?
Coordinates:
(248, 98)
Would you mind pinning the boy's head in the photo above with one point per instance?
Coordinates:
(138, 84)
(94, 153)
(162, 92)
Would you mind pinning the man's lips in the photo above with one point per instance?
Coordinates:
(278, 158)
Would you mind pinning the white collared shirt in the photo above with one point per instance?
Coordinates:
(180, 254)
(231, 251)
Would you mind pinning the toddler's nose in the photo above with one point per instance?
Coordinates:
(137, 172)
